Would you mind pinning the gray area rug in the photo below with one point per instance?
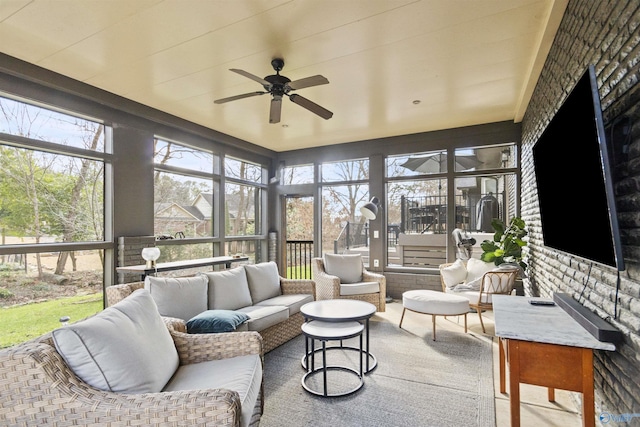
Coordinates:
(418, 382)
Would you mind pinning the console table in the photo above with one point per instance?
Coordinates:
(143, 270)
(544, 346)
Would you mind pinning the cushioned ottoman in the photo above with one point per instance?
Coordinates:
(436, 304)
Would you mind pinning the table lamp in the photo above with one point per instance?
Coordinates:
(150, 255)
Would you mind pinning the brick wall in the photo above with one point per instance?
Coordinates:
(130, 253)
(606, 34)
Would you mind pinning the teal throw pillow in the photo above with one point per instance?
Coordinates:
(213, 321)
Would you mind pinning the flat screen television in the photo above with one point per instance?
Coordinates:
(573, 176)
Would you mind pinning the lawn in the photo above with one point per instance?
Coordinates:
(24, 322)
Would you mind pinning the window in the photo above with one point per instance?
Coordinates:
(183, 191)
(53, 166)
(244, 196)
(483, 183)
(298, 174)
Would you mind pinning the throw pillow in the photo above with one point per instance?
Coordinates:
(182, 297)
(126, 348)
(476, 269)
(228, 289)
(454, 274)
(347, 267)
(264, 281)
(214, 321)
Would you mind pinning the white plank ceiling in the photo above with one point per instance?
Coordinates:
(466, 62)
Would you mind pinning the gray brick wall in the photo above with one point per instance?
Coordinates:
(606, 34)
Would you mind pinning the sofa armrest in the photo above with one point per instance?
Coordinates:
(37, 385)
(116, 293)
(298, 286)
(195, 348)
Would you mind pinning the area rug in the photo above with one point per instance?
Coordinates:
(417, 382)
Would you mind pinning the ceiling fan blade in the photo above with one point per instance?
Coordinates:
(311, 106)
(253, 77)
(307, 82)
(276, 109)
(233, 98)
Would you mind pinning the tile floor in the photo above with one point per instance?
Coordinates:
(535, 409)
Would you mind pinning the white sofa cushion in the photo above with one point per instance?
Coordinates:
(359, 288)
(182, 297)
(264, 281)
(292, 301)
(263, 316)
(126, 348)
(475, 270)
(228, 289)
(454, 274)
(242, 374)
(347, 267)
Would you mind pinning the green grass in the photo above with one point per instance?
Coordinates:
(22, 323)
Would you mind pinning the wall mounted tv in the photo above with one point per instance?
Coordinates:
(573, 174)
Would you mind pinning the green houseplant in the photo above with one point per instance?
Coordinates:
(507, 243)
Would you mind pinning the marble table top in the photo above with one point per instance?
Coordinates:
(516, 319)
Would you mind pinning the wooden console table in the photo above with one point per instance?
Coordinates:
(544, 346)
(180, 265)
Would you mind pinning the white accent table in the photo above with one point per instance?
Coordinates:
(544, 346)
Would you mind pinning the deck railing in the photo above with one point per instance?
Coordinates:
(298, 259)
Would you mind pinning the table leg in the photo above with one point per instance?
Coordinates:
(551, 394)
(514, 382)
(588, 411)
(367, 333)
(501, 344)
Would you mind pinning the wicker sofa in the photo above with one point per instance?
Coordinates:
(271, 301)
(125, 366)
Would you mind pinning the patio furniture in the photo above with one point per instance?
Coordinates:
(343, 310)
(436, 304)
(271, 302)
(478, 281)
(125, 366)
(330, 331)
(344, 276)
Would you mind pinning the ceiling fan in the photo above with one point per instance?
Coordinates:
(279, 86)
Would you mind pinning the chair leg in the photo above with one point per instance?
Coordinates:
(465, 323)
(402, 317)
(481, 322)
(433, 319)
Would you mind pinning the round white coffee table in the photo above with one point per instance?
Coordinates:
(342, 310)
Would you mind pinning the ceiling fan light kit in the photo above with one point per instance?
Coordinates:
(278, 86)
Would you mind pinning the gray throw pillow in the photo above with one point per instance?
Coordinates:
(182, 297)
(347, 267)
(228, 289)
(126, 348)
(264, 281)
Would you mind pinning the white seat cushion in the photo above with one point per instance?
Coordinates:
(264, 281)
(182, 297)
(292, 301)
(347, 267)
(228, 289)
(263, 316)
(359, 288)
(242, 374)
(432, 302)
(126, 348)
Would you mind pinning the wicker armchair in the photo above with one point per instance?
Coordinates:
(37, 387)
(328, 286)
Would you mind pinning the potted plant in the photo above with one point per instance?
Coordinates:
(506, 246)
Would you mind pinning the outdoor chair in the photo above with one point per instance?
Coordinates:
(478, 281)
(344, 276)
